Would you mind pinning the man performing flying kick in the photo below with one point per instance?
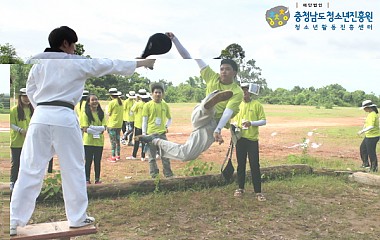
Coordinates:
(224, 96)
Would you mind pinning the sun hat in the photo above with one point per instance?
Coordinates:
(85, 93)
(131, 94)
(145, 96)
(367, 104)
(114, 92)
(22, 92)
(142, 91)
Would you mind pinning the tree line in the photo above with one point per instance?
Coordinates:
(193, 88)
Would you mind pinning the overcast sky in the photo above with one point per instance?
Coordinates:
(287, 57)
(4, 78)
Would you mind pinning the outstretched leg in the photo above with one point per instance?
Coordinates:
(201, 137)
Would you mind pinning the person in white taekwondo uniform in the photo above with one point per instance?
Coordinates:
(54, 87)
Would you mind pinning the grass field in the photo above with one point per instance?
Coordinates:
(301, 207)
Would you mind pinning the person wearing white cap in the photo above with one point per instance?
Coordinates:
(142, 98)
(372, 134)
(250, 117)
(55, 85)
(114, 123)
(19, 117)
(128, 118)
(79, 108)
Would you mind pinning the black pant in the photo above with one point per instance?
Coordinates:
(368, 149)
(93, 153)
(15, 163)
(127, 129)
(246, 147)
(124, 127)
(138, 131)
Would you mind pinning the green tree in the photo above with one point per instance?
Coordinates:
(19, 75)
(79, 50)
(357, 97)
(8, 55)
(233, 51)
(248, 71)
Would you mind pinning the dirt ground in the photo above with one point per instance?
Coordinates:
(277, 140)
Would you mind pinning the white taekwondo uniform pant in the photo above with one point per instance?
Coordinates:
(41, 142)
(200, 139)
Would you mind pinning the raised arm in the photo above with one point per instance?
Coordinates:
(182, 50)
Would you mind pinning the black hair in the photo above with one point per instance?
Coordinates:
(84, 98)
(155, 86)
(230, 62)
(88, 112)
(20, 109)
(374, 108)
(118, 99)
(58, 35)
(146, 99)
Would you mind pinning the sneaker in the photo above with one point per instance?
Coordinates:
(88, 182)
(130, 158)
(260, 197)
(218, 97)
(11, 185)
(142, 159)
(13, 230)
(239, 192)
(86, 222)
(130, 144)
(123, 142)
(364, 166)
(98, 182)
(112, 159)
(117, 158)
(145, 138)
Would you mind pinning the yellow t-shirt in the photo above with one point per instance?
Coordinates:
(137, 109)
(128, 114)
(88, 139)
(115, 113)
(372, 120)
(80, 107)
(158, 114)
(251, 111)
(213, 83)
(17, 140)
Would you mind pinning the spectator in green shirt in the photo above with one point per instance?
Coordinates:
(250, 117)
(93, 124)
(19, 119)
(115, 122)
(156, 120)
(372, 134)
